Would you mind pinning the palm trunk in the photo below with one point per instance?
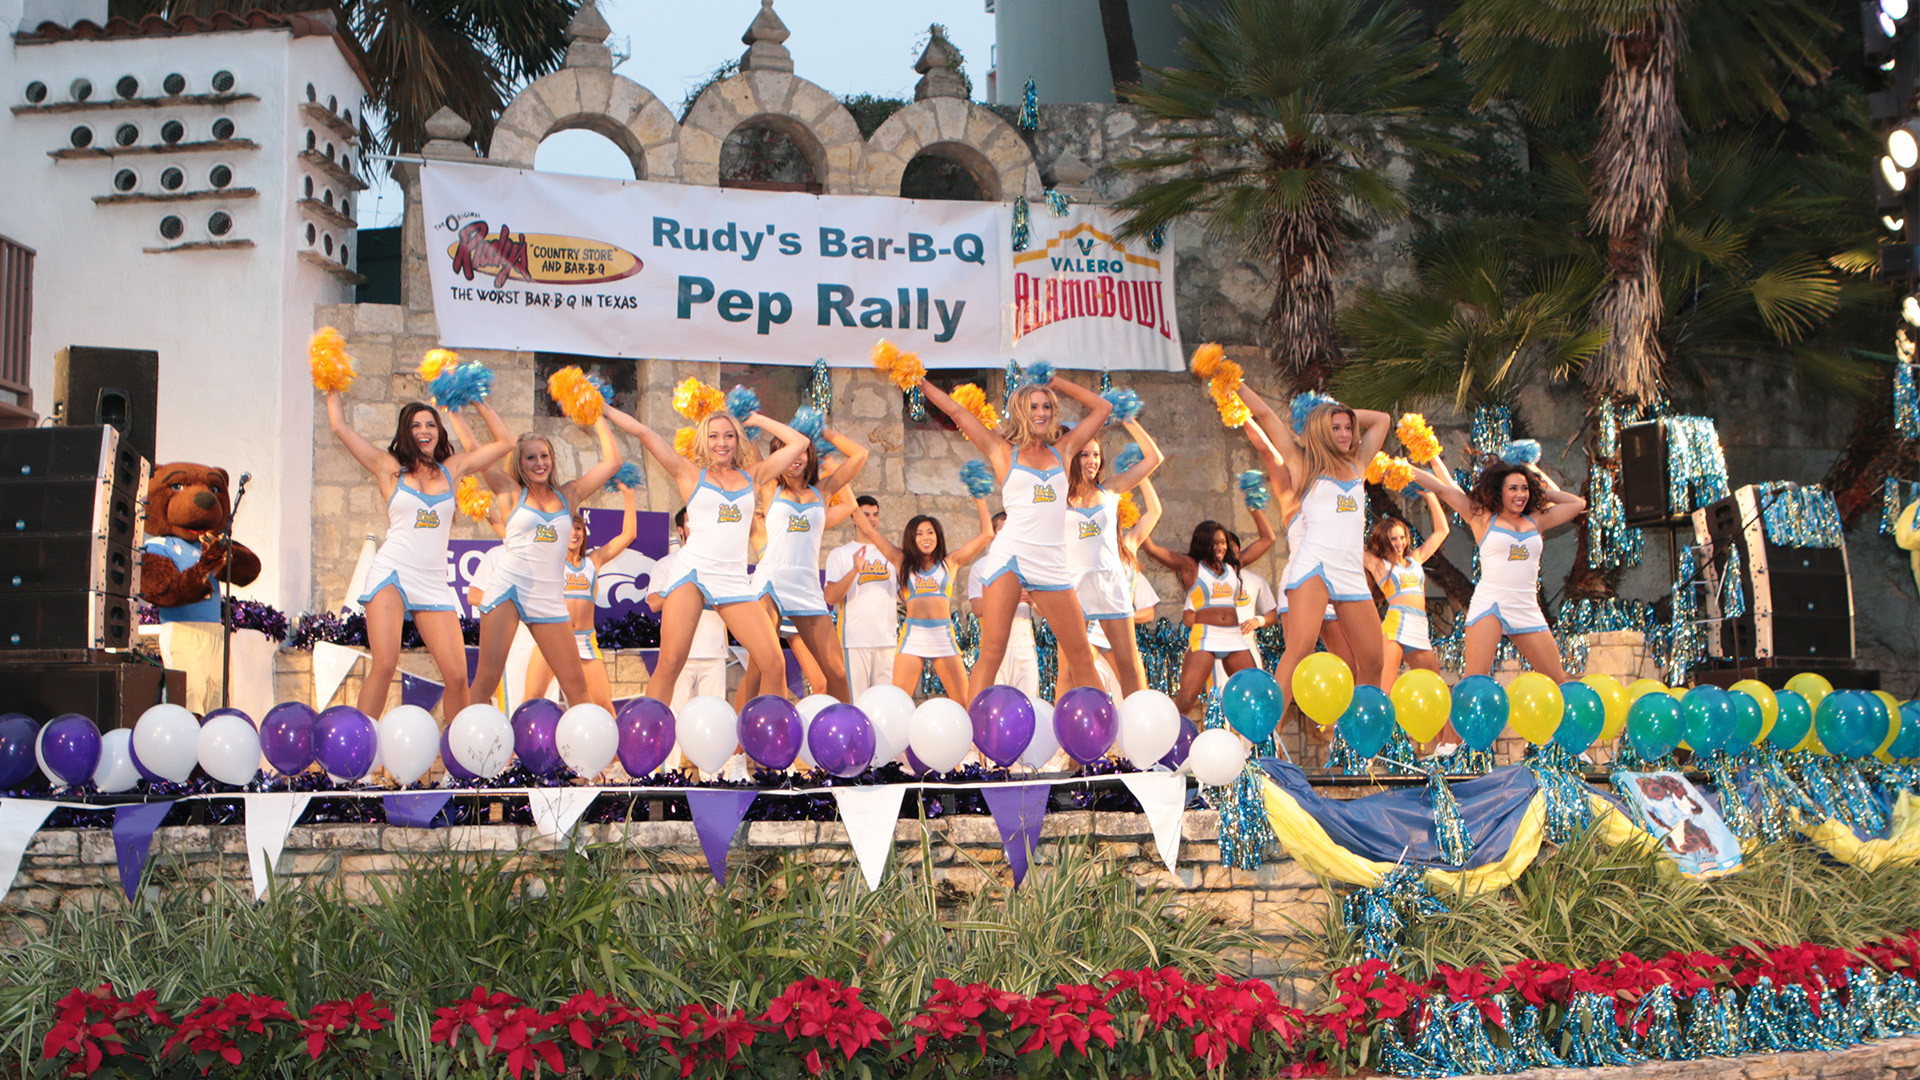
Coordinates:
(1308, 251)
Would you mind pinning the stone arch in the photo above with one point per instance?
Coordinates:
(815, 120)
(596, 100)
(974, 136)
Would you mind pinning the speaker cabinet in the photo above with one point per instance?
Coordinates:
(65, 620)
(116, 387)
(71, 514)
(68, 564)
(112, 695)
(1799, 600)
(1643, 473)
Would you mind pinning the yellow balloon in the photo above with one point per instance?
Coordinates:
(1534, 707)
(1421, 703)
(1893, 723)
(1615, 700)
(1677, 693)
(1814, 688)
(1769, 705)
(1323, 687)
(1642, 687)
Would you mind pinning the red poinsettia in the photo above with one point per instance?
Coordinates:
(330, 1018)
(831, 1012)
(1538, 982)
(1066, 1014)
(86, 1025)
(214, 1025)
(695, 1033)
(954, 1011)
(482, 1011)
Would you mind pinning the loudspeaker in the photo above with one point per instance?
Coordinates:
(65, 620)
(1643, 473)
(116, 387)
(70, 509)
(1799, 601)
(111, 695)
(68, 564)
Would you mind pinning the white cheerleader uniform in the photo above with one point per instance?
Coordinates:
(1293, 544)
(581, 577)
(790, 566)
(929, 639)
(1104, 584)
(1032, 543)
(1509, 587)
(1406, 591)
(413, 558)
(530, 569)
(1332, 523)
(714, 558)
(1211, 590)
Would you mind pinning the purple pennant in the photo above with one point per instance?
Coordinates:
(133, 826)
(716, 817)
(796, 681)
(473, 661)
(650, 657)
(1018, 811)
(420, 811)
(421, 692)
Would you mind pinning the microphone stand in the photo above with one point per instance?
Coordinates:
(226, 597)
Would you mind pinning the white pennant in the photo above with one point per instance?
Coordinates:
(556, 810)
(1164, 797)
(330, 665)
(19, 820)
(869, 813)
(270, 818)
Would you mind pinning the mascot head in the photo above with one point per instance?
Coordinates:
(187, 500)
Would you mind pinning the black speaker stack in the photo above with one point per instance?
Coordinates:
(1799, 600)
(1643, 474)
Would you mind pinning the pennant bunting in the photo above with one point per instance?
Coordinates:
(1164, 798)
(869, 813)
(133, 826)
(19, 820)
(716, 817)
(557, 810)
(1018, 811)
(421, 811)
(420, 691)
(330, 666)
(270, 817)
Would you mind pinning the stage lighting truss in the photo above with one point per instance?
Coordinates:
(1891, 32)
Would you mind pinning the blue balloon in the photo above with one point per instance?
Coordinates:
(18, 733)
(1847, 724)
(1252, 704)
(1791, 722)
(1583, 717)
(1907, 743)
(1748, 719)
(1707, 719)
(1368, 722)
(1654, 725)
(1479, 711)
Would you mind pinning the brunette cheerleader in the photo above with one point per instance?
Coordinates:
(582, 577)
(927, 575)
(1399, 571)
(1102, 577)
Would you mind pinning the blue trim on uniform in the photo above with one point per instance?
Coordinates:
(1060, 464)
(1344, 485)
(1521, 536)
(1320, 571)
(1115, 615)
(693, 577)
(730, 495)
(1013, 564)
(393, 579)
(1494, 610)
(911, 621)
(430, 500)
(818, 499)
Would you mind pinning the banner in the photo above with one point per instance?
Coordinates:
(1079, 292)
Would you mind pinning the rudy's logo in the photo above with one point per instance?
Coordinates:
(539, 258)
(1516, 553)
(1345, 504)
(799, 523)
(426, 519)
(1043, 493)
(546, 534)
(1089, 529)
(729, 513)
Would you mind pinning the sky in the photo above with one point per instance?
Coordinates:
(846, 46)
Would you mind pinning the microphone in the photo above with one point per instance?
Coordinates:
(245, 476)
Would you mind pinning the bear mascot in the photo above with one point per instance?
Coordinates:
(180, 568)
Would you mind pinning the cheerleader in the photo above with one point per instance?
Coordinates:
(1133, 540)
(718, 485)
(1029, 455)
(527, 582)
(1512, 505)
(1401, 577)
(582, 575)
(416, 475)
(1102, 579)
(927, 573)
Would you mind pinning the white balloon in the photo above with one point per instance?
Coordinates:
(167, 738)
(588, 738)
(709, 730)
(116, 772)
(229, 749)
(1044, 744)
(808, 707)
(890, 710)
(1149, 726)
(1216, 757)
(481, 738)
(40, 759)
(409, 741)
(941, 734)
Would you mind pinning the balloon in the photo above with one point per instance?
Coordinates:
(646, 735)
(1706, 719)
(1814, 688)
(770, 731)
(1653, 726)
(1848, 723)
(18, 736)
(1643, 687)
(344, 742)
(890, 710)
(1085, 722)
(1583, 719)
(1216, 757)
(1252, 703)
(1613, 699)
(588, 739)
(1748, 720)
(1421, 703)
(116, 773)
(1323, 687)
(841, 738)
(1677, 693)
(1003, 724)
(165, 741)
(482, 739)
(809, 707)
(454, 768)
(533, 727)
(1534, 705)
(70, 747)
(1893, 722)
(1368, 722)
(1763, 694)
(708, 732)
(1795, 720)
(1045, 743)
(409, 739)
(941, 734)
(1182, 746)
(229, 749)
(1479, 711)
(229, 712)
(1149, 726)
(1906, 745)
(286, 737)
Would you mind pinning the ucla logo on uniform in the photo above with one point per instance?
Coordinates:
(426, 519)
(1222, 591)
(1089, 528)
(1043, 493)
(545, 534)
(874, 570)
(799, 523)
(1345, 504)
(1516, 553)
(729, 512)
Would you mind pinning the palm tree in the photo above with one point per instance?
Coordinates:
(1280, 124)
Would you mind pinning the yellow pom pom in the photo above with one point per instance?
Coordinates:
(327, 356)
(1377, 468)
(696, 400)
(683, 443)
(1207, 358)
(576, 396)
(1129, 511)
(1225, 380)
(1399, 474)
(437, 361)
(473, 499)
(1417, 436)
(902, 369)
(1233, 411)
(974, 400)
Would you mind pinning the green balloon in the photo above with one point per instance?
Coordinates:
(1792, 722)
(1252, 704)
(1585, 715)
(1747, 721)
(1653, 725)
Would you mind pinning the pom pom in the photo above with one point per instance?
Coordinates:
(629, 474)
(903, 370)
(1303, 406)
(808, 421)
(461, 385)
(1377, 468)
(332, 367)
(1039, 374)
(1521, 452)
(696, 400)
(1253, 485)
(473, 499)
(1128, 511)
(1233, 411)
(1417, 436)
(978, 476)
(1225, 380)
(437, 361)
(742, 402)
(1129, 456)
(1399, 475)
(974, 400)
(1126, 404)
(683, 443)
(576, 395)
(602, 385)
(1207, 358)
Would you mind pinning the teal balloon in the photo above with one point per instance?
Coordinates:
(1252, 704)
(1847, 726)
(1907, 743)
(1368, 722)
(1654, 725)
(1792, 722)
(1479, 711)
(1706, 719)
(1585, 715)
(1747, 721)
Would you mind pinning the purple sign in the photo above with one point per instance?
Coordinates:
(623, 582)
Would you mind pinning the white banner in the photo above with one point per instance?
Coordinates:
(1079, 292)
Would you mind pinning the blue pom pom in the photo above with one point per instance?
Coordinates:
(602, 385)
(1126, 404)
(978, 476)
(1521, 452)
(461, 385)
(1129, 456)
(742, 402)
(628, 474)
(1303, 406)
(1040, 373)
(1253, 485)
(807, 420)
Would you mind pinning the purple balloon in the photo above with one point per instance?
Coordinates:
(70, 743)
(841, 739)
(344, 742)
(146, 774)
(454, 768)
(229, 712)
(18, 733)
(1177, 756)
(1085, 722)
(646, 735)
(770, 731)
(534, 725)
(286, 738)
(1002, 723)
(915, 765)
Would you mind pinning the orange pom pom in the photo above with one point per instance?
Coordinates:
(695, 400)
(327, 356)
(903, 370)
(1417, 436)
(1226, 380)
(1129, 512)
(1233, 411)
(437, 361)
(576, 396)
(473, 499)
(974, 400)
(1377, 468)
(1207, 359)
(1399, 474)
(683, 443)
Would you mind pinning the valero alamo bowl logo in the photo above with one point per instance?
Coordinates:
(540, 258)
